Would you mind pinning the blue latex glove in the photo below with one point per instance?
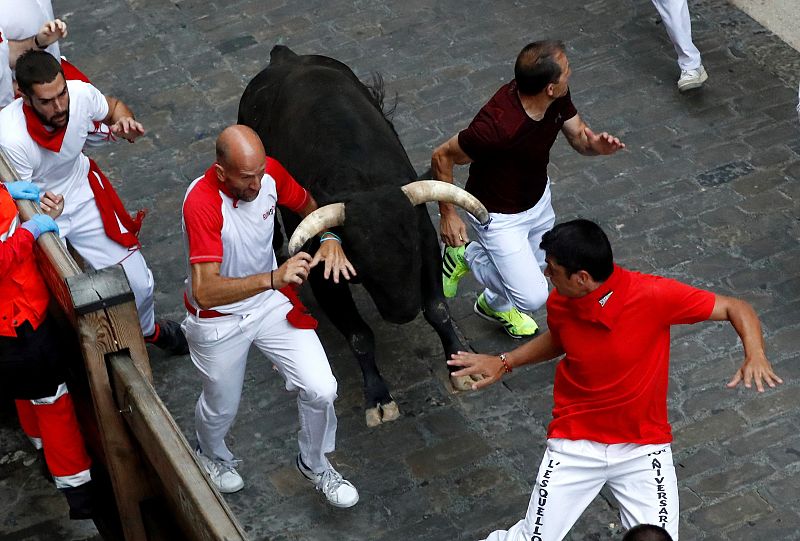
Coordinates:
(40, 223)
(22, 189)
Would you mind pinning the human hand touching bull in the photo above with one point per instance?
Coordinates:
(296, 269)
(336, 263)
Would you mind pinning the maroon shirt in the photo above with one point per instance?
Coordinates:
(510, 151)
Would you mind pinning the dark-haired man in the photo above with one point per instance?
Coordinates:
(610, 422)
(508, 146)
(43, 134)
(647, 532)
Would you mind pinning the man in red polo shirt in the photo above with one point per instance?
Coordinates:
(610, 422)
(507, 145)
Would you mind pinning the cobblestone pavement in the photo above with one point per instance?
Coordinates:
(706, 192)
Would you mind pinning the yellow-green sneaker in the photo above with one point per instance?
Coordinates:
(516, 324)
(454, 267)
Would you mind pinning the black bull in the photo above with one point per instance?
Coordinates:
(328, 130)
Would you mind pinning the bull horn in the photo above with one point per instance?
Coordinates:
(423, 191)
(321, 219)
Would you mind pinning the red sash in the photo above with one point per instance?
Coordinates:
(111, 209)
(299, 316)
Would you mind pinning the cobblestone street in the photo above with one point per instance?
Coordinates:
(706, 192)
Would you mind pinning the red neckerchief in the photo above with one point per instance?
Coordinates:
(111, 209)
(51, 140)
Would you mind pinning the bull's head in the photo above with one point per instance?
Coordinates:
(384, 244)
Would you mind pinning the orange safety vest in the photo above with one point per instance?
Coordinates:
(23, 293)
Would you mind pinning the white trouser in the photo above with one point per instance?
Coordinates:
(506, 258)
(675, 14)
(641, 477)
(83, 228)
(219, 348)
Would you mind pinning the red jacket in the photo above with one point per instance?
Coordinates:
(23, 293)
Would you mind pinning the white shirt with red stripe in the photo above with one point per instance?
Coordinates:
(62, 172)
(237, 234)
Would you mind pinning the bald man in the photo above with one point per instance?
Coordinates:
(236, 295)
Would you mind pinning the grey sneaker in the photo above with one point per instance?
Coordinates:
(222, 474)
(338, 491)
(691, 79)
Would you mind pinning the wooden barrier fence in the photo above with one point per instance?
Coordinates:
(159, 487)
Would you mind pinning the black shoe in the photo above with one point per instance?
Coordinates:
(169, 337)
(80, 501)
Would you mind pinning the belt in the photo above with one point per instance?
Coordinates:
(199, 312)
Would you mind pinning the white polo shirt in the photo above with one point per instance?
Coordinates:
(63, 172)
(237, 234)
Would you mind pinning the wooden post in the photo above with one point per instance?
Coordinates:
(93, 295)
(204, 514)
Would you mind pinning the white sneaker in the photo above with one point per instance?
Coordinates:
(338, 491)
(691, 79)
(223, 475)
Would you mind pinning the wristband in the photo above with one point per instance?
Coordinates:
(36, 42)
(330, 236)
(271, 284)
(506, 366)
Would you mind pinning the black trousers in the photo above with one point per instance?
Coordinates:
(34, 363)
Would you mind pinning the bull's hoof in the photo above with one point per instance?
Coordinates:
(463, 383)
(373, 417)
(390, 411)
(382, 413)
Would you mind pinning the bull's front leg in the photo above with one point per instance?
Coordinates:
(434, 305)
(337, 302)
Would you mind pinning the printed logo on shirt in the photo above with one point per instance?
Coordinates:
(604, 299)
(1, 37)
(269, 213)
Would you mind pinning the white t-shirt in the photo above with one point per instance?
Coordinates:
(64, 172)
(6, 84)
(24, 18)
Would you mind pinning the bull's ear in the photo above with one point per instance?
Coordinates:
(281, 53)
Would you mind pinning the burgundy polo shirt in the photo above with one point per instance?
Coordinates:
(510, 151)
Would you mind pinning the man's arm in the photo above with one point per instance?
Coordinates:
(330, 251)
(210, 289)
(121, 120)
(540, 349)
(586, 142)
(745, 322)
(452, 228)
(51, 32)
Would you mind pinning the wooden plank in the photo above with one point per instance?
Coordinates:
(99, 289)
(54, 260)
(123, 463)
(203, 513)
